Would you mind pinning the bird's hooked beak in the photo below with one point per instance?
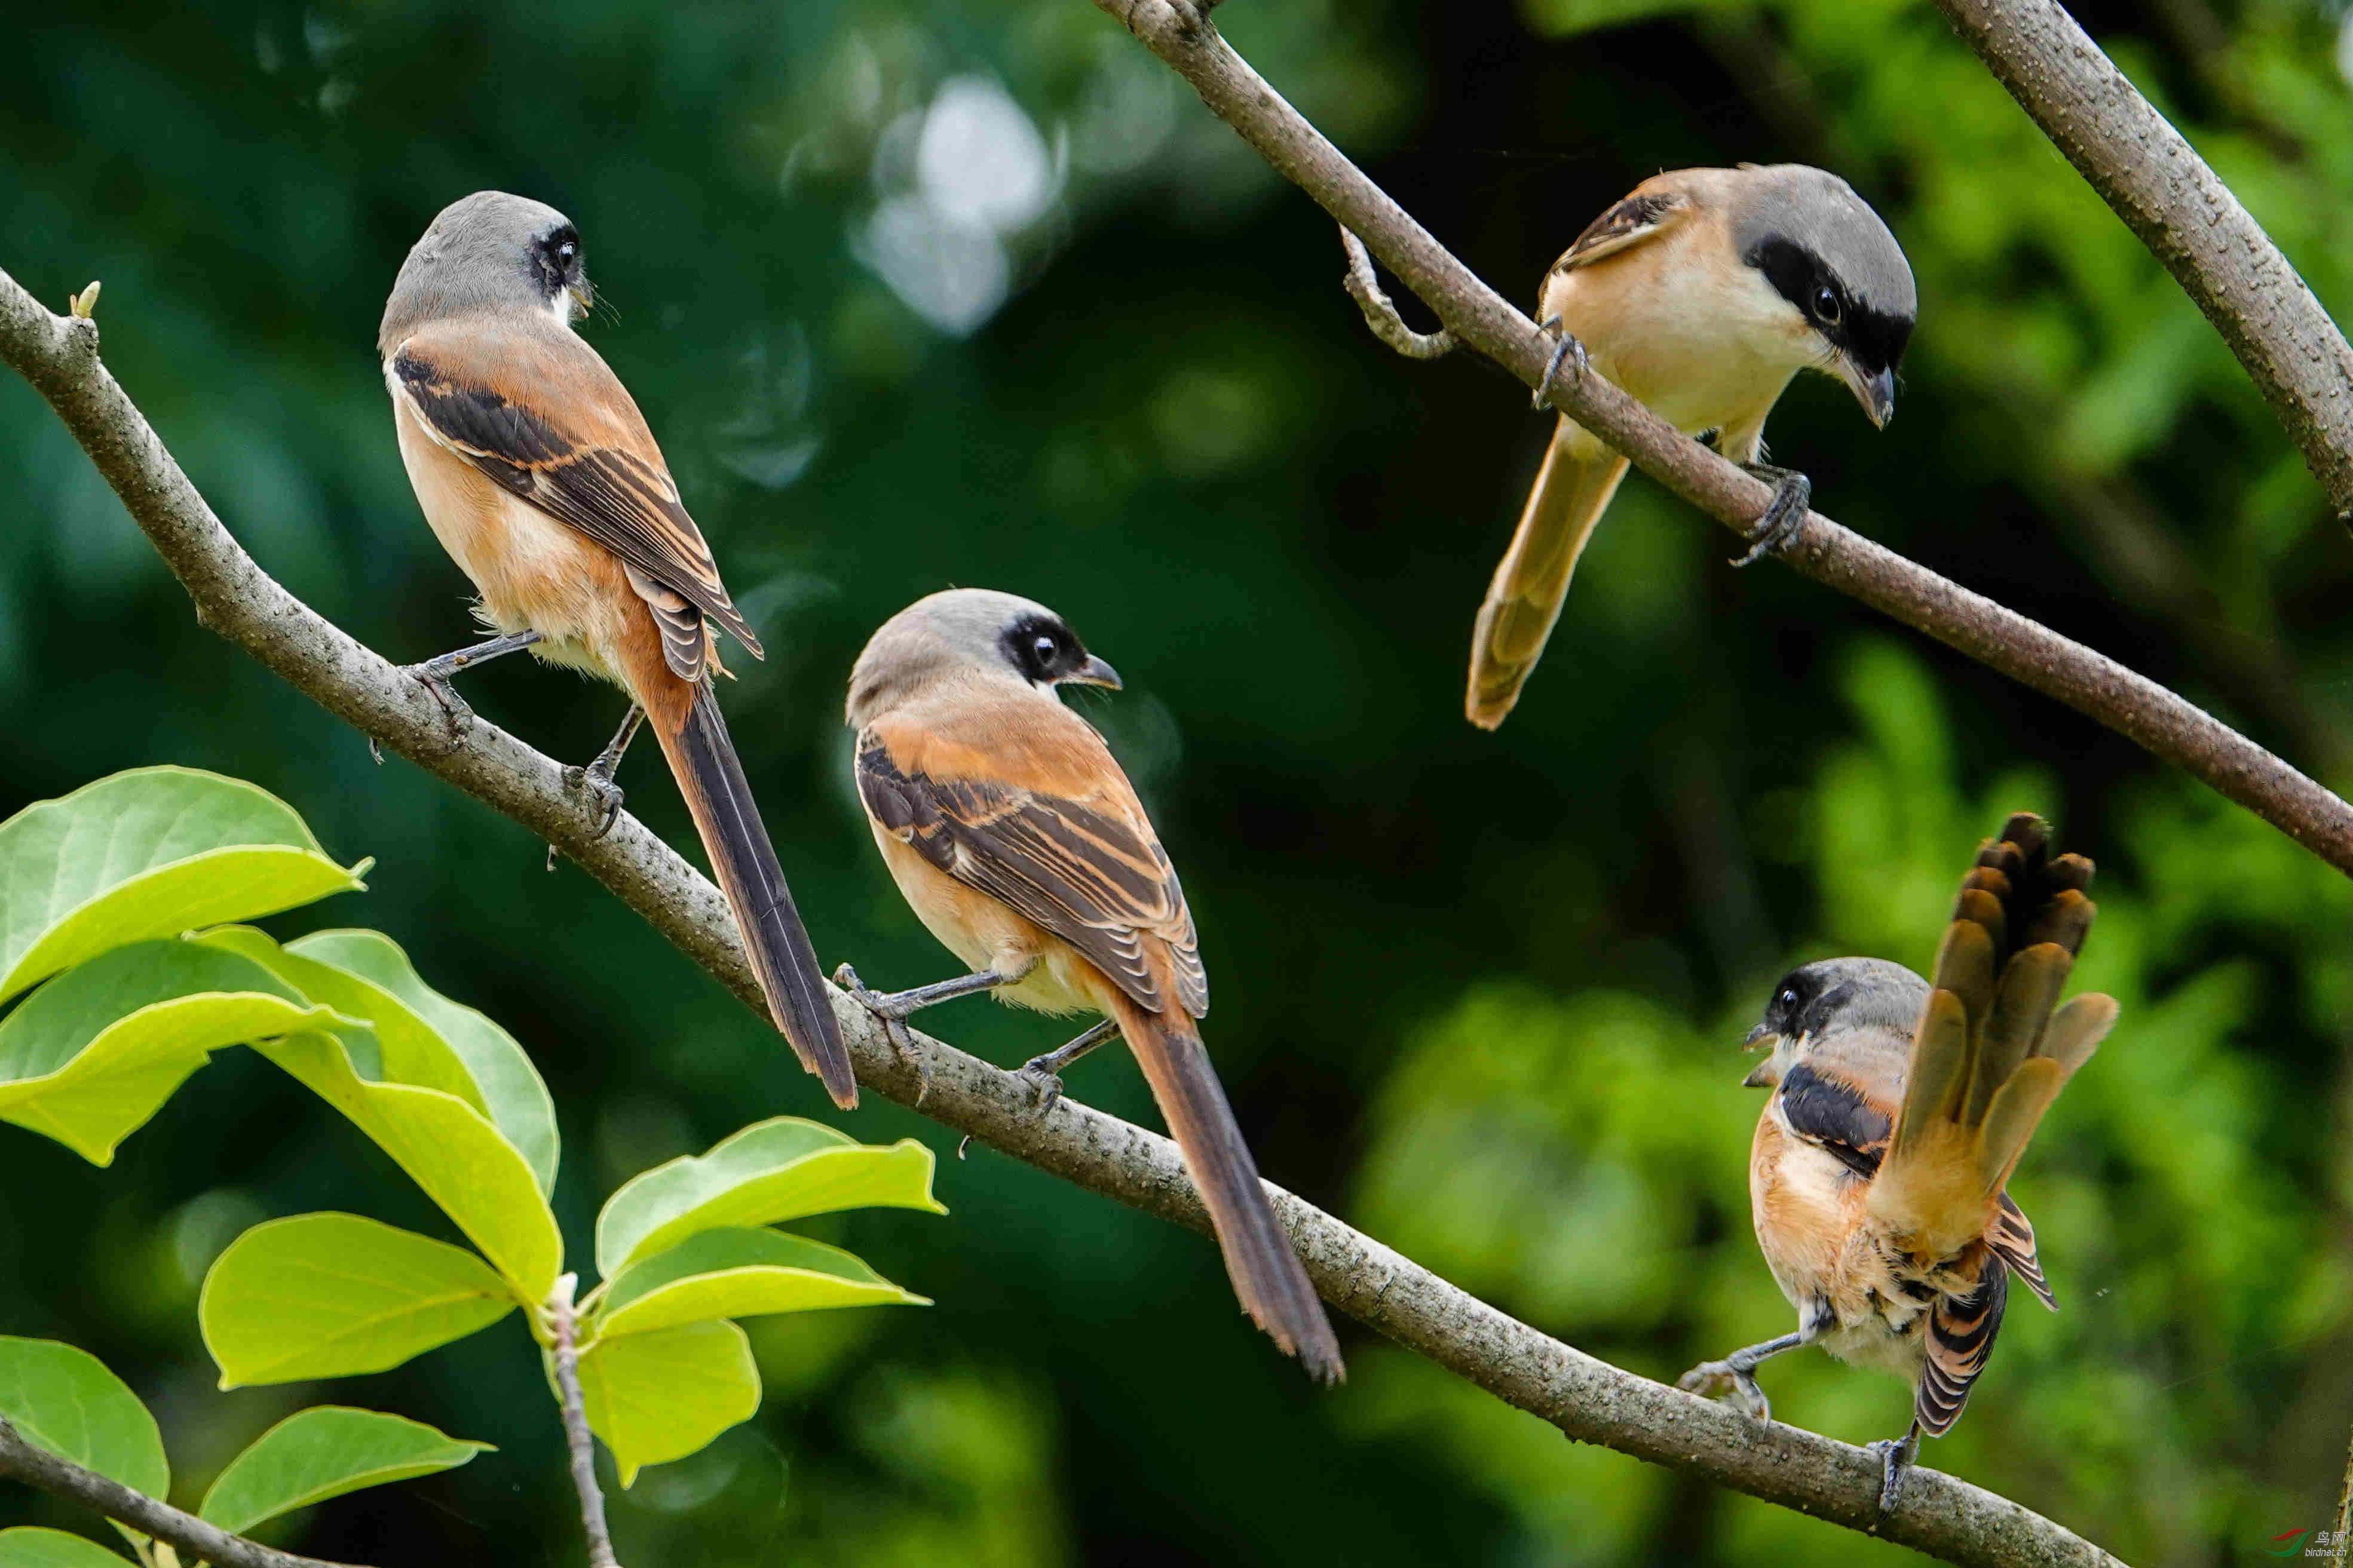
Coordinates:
(1094, 672)
(583, 298)
(1875, 390)
(1763, 1075)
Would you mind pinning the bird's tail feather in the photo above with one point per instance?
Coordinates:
(1572, 490)
(1993, 1048)
(703, 756)
(1266, 1273)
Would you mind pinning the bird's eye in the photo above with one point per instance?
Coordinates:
(565, 252)
(1826, 305)
(1788, 997)
(1044, 648)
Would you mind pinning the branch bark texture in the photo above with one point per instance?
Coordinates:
(1589, 1399)
(196, 1542)
(2135, 707)
(2184, 213)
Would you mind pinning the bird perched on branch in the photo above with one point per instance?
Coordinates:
(1900, 1108)
(1021, 844)
(539, 476)
(1701, 294)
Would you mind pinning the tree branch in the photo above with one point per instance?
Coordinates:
(23, 1460)
(2185, 214)
(1380, 313)
(1588, 1399)
(565, 1356)
(2093, 685)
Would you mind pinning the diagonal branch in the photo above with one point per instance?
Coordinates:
(21, 1460)
(2185, 214)
(1589, 1400)
(2135, 707)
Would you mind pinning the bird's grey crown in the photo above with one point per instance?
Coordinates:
(475, 257)
(1850, 993)
(957, 630)
(1819, 214)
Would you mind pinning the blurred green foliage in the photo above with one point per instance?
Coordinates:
(974, 292)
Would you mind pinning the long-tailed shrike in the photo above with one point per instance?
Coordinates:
(1900, 1106)
(538, 475)
(1703, 294)
(1021, 846)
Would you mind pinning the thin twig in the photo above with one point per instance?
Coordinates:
(2345, 1513)
(1381, 313)
(2185, 214)
(1588, 1399)
(23, 1460)
(2135, 707)
(565, 1353)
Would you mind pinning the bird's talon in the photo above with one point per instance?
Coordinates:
(454, 708)
(375, 750)
(604, 797)
(1713, 1378)
(1046, 1088)
(1782, 517)
(1567, 349)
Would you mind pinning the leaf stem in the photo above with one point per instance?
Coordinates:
(561, 1316)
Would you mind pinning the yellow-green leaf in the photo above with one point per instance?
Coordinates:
(334, 1295)
(776, 1170)
(322, 1453)
(741, 1273)
(509, 1086)
(90, 1055)
(447, 1148)
(149, 853)
(64, 1400)
(662, 1396)
(27, 1547)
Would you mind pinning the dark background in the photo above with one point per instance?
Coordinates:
(1478, 994)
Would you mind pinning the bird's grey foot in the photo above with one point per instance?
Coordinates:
(1566, 350)
(1045, 1072)
(435, 673)
(892, 1012)
(1895, 1455)
(1792, 493)
(1712, 1378)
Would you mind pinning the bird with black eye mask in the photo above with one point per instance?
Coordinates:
(1017, 839)
(1878, 1178)
(1703, 294)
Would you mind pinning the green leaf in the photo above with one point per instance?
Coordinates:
(29, 1548)
(661, 1396)
(421, 1036)
(334, 1295)
(90, 1055)
(64, 1400)
(322, 1453)
(742, 1273)
(510, 1089)
(771, 1170)
(447, 1148)
(150, 853)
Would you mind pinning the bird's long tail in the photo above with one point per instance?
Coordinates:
(1266, 1273)
(695, 740)
(1993, 1047)
(1571, 492)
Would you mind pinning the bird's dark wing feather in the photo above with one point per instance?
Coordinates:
(2011, 1237)
(1835, 1115)
(606, 479)
(1639, 217)
(1096, 879)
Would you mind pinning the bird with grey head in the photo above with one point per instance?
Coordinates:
(1703, 294)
